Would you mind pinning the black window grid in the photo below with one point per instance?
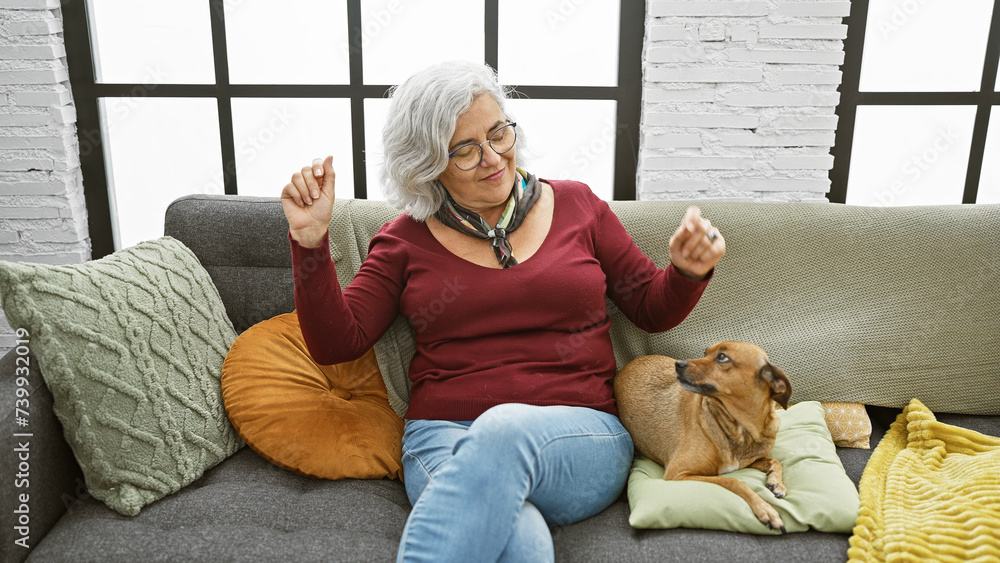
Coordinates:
(851, 97)
(87, 92)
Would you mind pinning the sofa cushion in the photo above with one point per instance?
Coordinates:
(245, 509)
(820, 494)
(331, 422)
(131, 347)
(242, 242)
(849, 424)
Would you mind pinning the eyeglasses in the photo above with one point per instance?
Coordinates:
(469, 155)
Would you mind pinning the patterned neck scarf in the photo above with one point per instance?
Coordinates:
(523, 196)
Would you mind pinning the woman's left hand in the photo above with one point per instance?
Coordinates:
(696, 246)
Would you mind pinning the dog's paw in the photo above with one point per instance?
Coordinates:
(778, 489)
(777, 525)
(769, 517)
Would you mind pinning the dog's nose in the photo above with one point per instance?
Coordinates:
(681, 365)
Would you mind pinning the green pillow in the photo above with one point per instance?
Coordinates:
(820, 494)
(131, 347)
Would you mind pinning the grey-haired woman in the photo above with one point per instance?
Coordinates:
(511, 424)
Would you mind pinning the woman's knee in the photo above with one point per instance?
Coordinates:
(510, 433)
(544, 424)
(512, 419)
(544, 440)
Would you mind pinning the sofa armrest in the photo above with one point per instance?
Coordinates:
(40, 465)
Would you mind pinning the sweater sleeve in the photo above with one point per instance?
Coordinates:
(654, 299)
(340, 326)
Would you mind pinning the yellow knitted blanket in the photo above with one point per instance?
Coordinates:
(930, 492)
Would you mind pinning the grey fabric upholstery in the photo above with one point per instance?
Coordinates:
(242, 242)
(246, 509)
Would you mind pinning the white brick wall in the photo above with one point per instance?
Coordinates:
(42, 211)
(739, 99)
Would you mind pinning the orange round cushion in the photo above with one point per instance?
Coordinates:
(331, 422)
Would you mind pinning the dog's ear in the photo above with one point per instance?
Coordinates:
(781, 386)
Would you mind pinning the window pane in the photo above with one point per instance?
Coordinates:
(910, 155)
(147, 42)
(399, 38)
(275, 137)
(157, 150)
(925, 46)
(314, 51)
(562, 146)
(581, 37)
(989, 180)
(376, 110)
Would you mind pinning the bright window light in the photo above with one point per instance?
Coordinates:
(920, 46)
(376, 110)
(577, 40)
(158, 149)
(910, 155)
(314, 51)
(275, 137)
(150, 42)
(399, 38)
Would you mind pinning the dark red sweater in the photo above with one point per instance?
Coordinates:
(535, 333)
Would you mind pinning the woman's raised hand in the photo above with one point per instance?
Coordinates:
(308, 202)
(696, 246)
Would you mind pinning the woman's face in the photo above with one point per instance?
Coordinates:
(488, 185)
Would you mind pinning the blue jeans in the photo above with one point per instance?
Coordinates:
(487, 490)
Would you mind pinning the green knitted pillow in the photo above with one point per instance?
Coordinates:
(131, 347)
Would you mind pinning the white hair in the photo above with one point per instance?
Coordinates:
(421, 123)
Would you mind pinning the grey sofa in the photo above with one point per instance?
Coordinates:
(856, 304)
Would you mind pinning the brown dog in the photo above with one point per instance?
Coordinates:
(705, 417)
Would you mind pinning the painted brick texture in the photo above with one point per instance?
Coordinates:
(42, 211)
(739, 99)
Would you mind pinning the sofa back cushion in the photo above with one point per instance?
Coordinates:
(242, 243)
(866, 304)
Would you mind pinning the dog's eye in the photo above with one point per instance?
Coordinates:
(721, 358)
